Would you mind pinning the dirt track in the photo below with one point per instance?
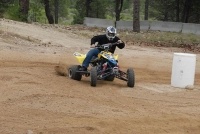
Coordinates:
(36, 99)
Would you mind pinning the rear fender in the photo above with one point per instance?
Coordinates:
(80, 57)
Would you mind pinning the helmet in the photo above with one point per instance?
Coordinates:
(111, 32)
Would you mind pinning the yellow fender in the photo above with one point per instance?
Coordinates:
(80, 57)
(116, 56)
(109, 53)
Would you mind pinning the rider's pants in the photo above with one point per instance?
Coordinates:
(89, 56)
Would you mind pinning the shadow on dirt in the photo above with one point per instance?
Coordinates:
(62, 70)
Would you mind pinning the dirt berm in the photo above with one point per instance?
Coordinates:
(34, 98)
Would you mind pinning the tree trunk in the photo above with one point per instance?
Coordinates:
(136, 16)
(56, 10)
(186, 11)
(97, 12)
(88, 8)
(118, 8)
(23, 9)
(177, 10)
(48, 12)
(166, 15)
(146, 14)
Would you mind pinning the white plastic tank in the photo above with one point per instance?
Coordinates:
(183, 70)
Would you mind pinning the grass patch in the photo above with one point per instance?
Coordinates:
(163, 37)
(166, 39)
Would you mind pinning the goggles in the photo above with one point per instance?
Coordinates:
(111, 34)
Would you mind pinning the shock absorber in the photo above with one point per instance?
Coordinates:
(105, 66)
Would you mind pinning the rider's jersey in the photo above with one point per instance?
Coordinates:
(102, 39)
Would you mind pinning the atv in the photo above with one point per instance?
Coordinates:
(103, 67)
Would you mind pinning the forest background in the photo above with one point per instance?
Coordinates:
(74, 11)
(70, 12)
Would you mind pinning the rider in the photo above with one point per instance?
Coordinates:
(109, 37)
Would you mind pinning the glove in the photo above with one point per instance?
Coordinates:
(119, 41)
(92, 46)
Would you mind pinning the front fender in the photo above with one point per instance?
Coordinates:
(104, 54)
(116, 56)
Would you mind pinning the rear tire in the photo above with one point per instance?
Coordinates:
(72, 72)
(130, 77)
(93, 76)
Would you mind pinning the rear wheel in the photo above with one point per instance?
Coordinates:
(93, 76)
(73, 74)
(130, 77)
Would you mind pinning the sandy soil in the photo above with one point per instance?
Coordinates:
(34, 98)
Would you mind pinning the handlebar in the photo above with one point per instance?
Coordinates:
(106, 46)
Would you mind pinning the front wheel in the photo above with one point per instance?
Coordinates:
(130, 77)
(93, 76)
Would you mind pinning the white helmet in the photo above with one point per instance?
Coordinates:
(111, 32)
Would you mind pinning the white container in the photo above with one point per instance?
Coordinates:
(183, 70)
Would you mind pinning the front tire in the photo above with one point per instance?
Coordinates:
(73, 74)
(93, 76)
(130, 77)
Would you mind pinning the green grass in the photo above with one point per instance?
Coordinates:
(167, 39)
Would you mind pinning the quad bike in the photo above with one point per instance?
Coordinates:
(103, 67)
